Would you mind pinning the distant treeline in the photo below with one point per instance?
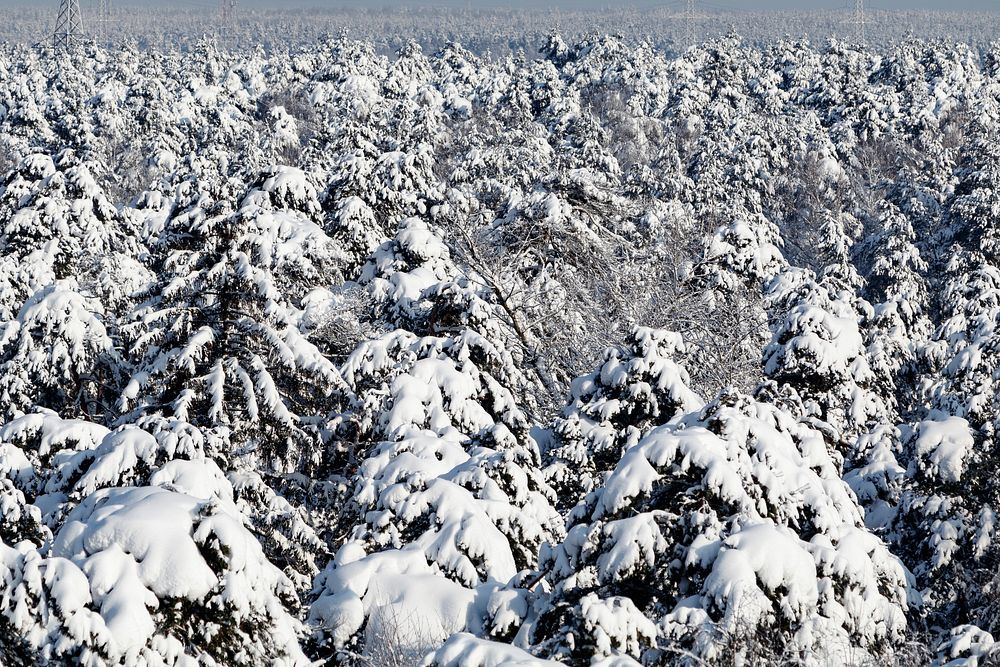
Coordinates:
(492, 31)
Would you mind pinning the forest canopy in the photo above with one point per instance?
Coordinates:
(615, 355)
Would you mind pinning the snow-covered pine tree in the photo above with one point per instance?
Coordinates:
(57, 354)
(946, 525)
(638, 386)
(216, 343)
(675, 555)
(136, 552)
(447, 489)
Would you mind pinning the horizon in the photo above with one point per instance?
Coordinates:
(716, 6)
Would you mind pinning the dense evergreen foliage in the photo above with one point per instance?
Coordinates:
(607, 357)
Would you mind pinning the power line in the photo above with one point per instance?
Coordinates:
(69, 24)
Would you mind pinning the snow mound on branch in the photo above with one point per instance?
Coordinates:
(169, 561)
(44, 432)
(397, 592)
(289, 188)
(759, 562)
(967, 646)
(876, 477)
(943, 446)
(141, 547)
(616, 625)
(465, 650)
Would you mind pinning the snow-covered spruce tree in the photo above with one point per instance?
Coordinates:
(445, 477)
(29, 256)
(69, 262)
(744, 253)
(725, 536)
(135, 552)
(57, 353)
(60, 224)
(447, 485)
(217, 344)
(818, 350)
(896, 334)
(946, 524)
(897, 286)
(638, 386)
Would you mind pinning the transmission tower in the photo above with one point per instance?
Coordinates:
(689, 22)
(227, 10)
(689, 17)
(69, 25)
(859, 19)
(102, 18)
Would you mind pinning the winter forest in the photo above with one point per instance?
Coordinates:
(610, 352)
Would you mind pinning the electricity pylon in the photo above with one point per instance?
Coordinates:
(859, 19)
(689, 17)
(227, 10)
(102, 18)
(69, 25)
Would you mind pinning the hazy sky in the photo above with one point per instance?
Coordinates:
(953, 5)
(950, 5)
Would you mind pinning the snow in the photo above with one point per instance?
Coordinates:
(48, 433)
(637, 541)
(637, 473)
(398, 593)
(617, 625)
(967, 646)
(465, 650)
(763, 570)
(605, 356)
(169, 561)
(945, 445)
(122, 597)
